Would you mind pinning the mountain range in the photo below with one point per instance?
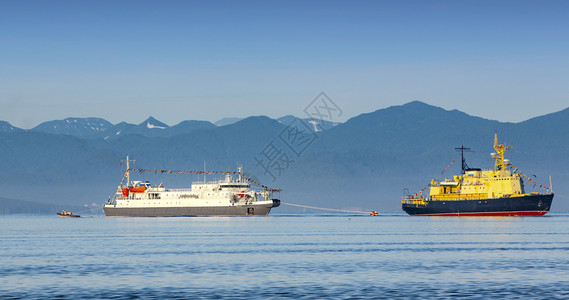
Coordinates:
(364, 163)
(101, 128)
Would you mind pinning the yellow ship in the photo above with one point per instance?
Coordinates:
(476, 192)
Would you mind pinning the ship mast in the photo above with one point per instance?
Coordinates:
(462, 149)
(128, 169)
(500, 163)
(240, 172)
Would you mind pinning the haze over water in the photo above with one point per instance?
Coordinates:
(288, 256)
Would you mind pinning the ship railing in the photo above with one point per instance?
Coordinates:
(219, 181)
(179, 190)
(459, 197)
(207, 182)
(413, 200)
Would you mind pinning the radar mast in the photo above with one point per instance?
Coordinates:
(462, 149)
(500, 163)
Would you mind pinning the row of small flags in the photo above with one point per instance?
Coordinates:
(176, 172)
(256, 183)
(515, 170)
(535, 183)
(428, 185)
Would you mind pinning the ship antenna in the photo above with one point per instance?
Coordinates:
(500, 163)
(462, 149)
(128, 169)
(240, 173)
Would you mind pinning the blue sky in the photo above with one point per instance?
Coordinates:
(183, 60)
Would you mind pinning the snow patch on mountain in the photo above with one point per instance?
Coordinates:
(7, 127)
(148, 125)
(315, 124)
(80, 127)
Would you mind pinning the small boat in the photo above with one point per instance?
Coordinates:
(67, 214)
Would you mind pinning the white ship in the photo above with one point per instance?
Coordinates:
(228, 197)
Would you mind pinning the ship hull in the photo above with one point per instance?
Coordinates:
(200, 211)
(531, 205)
(68, 215)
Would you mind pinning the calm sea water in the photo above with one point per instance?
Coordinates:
(284, 256)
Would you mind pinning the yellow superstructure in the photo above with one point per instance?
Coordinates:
(476, 183)
(482, 193)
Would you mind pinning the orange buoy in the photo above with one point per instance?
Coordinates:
(373, 213)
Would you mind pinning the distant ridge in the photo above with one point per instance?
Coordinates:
(316, 125)
(7, 127)
(148, 128)
(151, 127)
(79, 127)
(364, 162)
(227, 121)
(186, 127)
(152, 123)
(118, 129)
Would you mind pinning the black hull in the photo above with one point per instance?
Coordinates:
(531, 205)
(203, 211)
(68, 215)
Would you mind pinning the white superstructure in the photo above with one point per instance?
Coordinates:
(228, 197)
